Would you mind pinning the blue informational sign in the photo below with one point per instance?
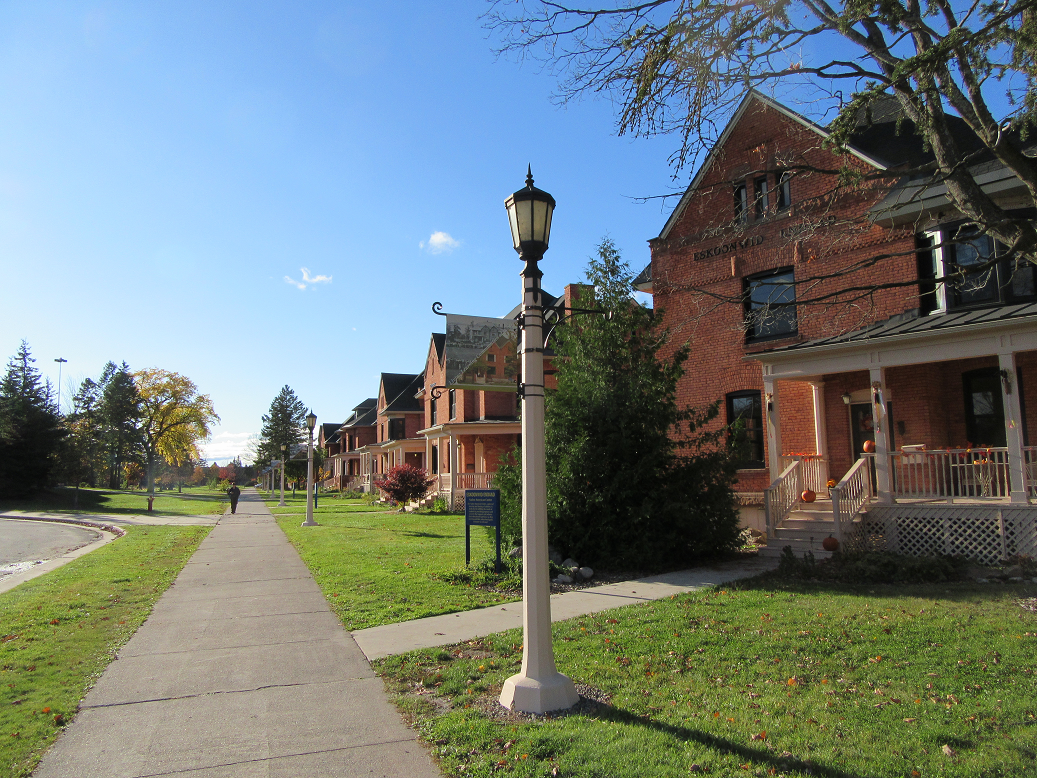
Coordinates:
(481, 509)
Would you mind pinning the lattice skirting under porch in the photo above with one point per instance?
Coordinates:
(987, 534)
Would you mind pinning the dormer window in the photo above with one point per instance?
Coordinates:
(958, 269)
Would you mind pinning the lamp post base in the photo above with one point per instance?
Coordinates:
(309, 523)
(529, 695)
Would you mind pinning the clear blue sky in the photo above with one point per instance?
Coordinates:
(166, 166)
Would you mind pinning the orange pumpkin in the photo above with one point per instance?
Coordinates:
(869, 447)
(830, 544)
(808, 495)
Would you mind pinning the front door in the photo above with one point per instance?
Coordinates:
(862, 429)
(984, 411)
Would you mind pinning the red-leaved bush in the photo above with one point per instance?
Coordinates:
(404, 483)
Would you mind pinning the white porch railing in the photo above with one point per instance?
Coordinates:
(474, 480)
(814, 471)
(444, 484)
(1030, 454)
(946, 474)
(850, 495)
(780, 497)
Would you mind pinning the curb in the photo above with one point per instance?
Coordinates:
(108, 534)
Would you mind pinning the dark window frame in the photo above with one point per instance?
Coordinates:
(761, 197)
(783, 189)
(1003, 286)
(754, 432)
(453, 403)
(970, 385)
(741, 196)
(757, 331)
(397, 429)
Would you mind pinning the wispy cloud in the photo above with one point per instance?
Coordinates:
(439, 243)
(307, 279)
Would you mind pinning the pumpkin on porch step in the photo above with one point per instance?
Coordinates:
(808, 496)
(830, 544)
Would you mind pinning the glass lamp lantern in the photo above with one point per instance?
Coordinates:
(311, 421)
(529, 212)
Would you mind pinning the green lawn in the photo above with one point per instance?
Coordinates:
(377, 566)
(196, 500)
(58, 632)
(760, 678)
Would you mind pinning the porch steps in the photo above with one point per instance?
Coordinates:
(804, 530)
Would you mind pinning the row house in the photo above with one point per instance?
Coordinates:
(853, 353)
(358, 431)
(459, 435)
(399, 416)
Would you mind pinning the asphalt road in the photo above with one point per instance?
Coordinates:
(31, 541)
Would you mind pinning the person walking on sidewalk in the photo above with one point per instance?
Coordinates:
(234, 492)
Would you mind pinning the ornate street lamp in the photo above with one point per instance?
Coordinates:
(311, 422)
(538, 687)
(284, 451)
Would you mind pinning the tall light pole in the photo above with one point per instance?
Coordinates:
(311, 422)
(60, 361)
(538, 687)
(284, 450)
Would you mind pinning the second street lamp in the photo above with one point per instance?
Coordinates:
(284, 452)
(311, 422)
(538, 687)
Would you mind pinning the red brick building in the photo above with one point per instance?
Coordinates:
(818, 316)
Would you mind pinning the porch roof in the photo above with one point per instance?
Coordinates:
(908, 339)
(474, 427)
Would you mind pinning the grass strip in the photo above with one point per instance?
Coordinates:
(60, 631)
(376, 566)
(193, 501)
(759, 678)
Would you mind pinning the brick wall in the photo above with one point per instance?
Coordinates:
(707, 250)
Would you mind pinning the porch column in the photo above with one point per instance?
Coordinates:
(770, 412)
(1013, 426)
(878, 402)
(820, 430)
(428, 455)
(453, 468)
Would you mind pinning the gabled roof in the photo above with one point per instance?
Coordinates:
(363, 415)
(330, 428)
(751, 97)
(439, 343)
(399, 390)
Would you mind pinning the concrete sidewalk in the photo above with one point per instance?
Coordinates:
(389, 639)
(241, 670)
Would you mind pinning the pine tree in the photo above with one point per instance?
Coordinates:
(282, 426)
(30, 427)
(633, 479)
(120, 417)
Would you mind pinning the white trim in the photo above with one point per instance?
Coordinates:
(973, 340)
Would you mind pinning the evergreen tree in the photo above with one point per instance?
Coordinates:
(283, 425)
(633, 479)
(119, 411)
(30, 427)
